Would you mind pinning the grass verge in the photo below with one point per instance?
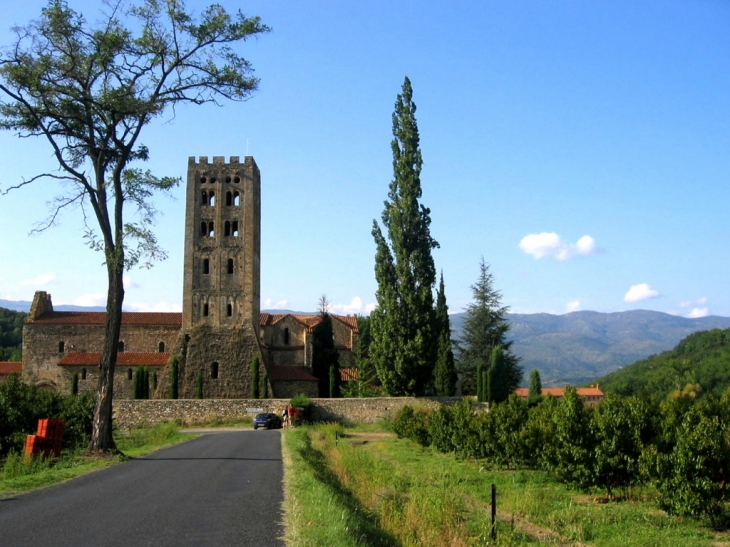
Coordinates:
(370, 488)
(19, 477)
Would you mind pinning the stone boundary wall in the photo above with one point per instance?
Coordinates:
(129, 412)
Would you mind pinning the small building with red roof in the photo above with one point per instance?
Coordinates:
(591, 395)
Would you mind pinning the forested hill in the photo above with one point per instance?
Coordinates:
(702, 358)
(579, 347)
(11, 330)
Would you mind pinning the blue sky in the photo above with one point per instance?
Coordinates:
(581, 147)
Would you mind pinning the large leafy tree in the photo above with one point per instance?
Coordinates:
(445, 373)
(485, 326)
(88, 91)
(405, 336)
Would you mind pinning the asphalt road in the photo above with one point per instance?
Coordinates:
(220, 489)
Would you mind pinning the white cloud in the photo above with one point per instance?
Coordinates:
(550, 244)
(690, 303)
(640, 292)
(572, 306)
(91, 299)
(269, 304)
(356, 306)
(129, 283)
(39, 281)
(698, 312)
(159, 307)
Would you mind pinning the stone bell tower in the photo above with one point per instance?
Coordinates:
(221, 280)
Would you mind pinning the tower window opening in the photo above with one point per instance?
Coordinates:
(203, 229)
(236, 179)
(211, 198)
(161, 347)
(236, 199)
(286, 337)
(230, 265)
(120, 346)
(61, 347)
(234, 228)
(212, 180)
(211, 231)
(83, 374)
(228, 179)
(214, 371)
(229, 310)
(227, 229)
(205, 310)
(204, 197)
(206, 266)
(202, 180)
(129, 374)
(229, 199)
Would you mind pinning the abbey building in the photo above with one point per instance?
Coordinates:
(219, 333)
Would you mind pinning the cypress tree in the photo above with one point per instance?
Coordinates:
(445, 374)
(498, 386)
(154, 381)
(145, 383)
(75, 384)
(485, 326)
(255, 377)
(324, 354)
(405, 336)
(137, 384)
(535, 393)
(266, 385)
(173, 379)
(199, 390)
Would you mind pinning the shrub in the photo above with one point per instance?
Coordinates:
(412, 424)
(300, 400)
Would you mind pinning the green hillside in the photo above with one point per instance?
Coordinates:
(11, 329)
(702, 358)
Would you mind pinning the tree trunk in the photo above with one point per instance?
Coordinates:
(101, 434)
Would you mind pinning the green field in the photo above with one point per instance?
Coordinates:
(372, 488)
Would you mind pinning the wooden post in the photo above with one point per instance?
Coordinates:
(494, 512)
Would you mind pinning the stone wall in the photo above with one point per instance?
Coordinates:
(129, 413)
(41, 344)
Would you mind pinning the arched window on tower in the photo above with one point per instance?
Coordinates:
(204, 197)
(206, 266)
(211, 230)
(229, 199)
(227, 229)
(236, 199)
(203, 228)
(214, 371)
(161, 347)
(230, 265)
(234, 228)
(229, 310)
(205, 310)
(211, 198)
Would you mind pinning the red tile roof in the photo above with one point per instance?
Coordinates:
(123, 359)
(291, 373)
(349, 374)
(10, 367)
(558, 391)
(99, 318)
(308, 321)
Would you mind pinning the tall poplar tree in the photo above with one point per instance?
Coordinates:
(445, 374)
(405, 337)
(486, 326)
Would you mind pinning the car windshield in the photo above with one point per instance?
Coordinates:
(262, 416)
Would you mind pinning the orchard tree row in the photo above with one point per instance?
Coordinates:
(679, 446)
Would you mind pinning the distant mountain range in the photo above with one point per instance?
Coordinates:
(579, 347)
(575, 348)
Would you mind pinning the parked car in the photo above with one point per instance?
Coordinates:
(269, 420)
